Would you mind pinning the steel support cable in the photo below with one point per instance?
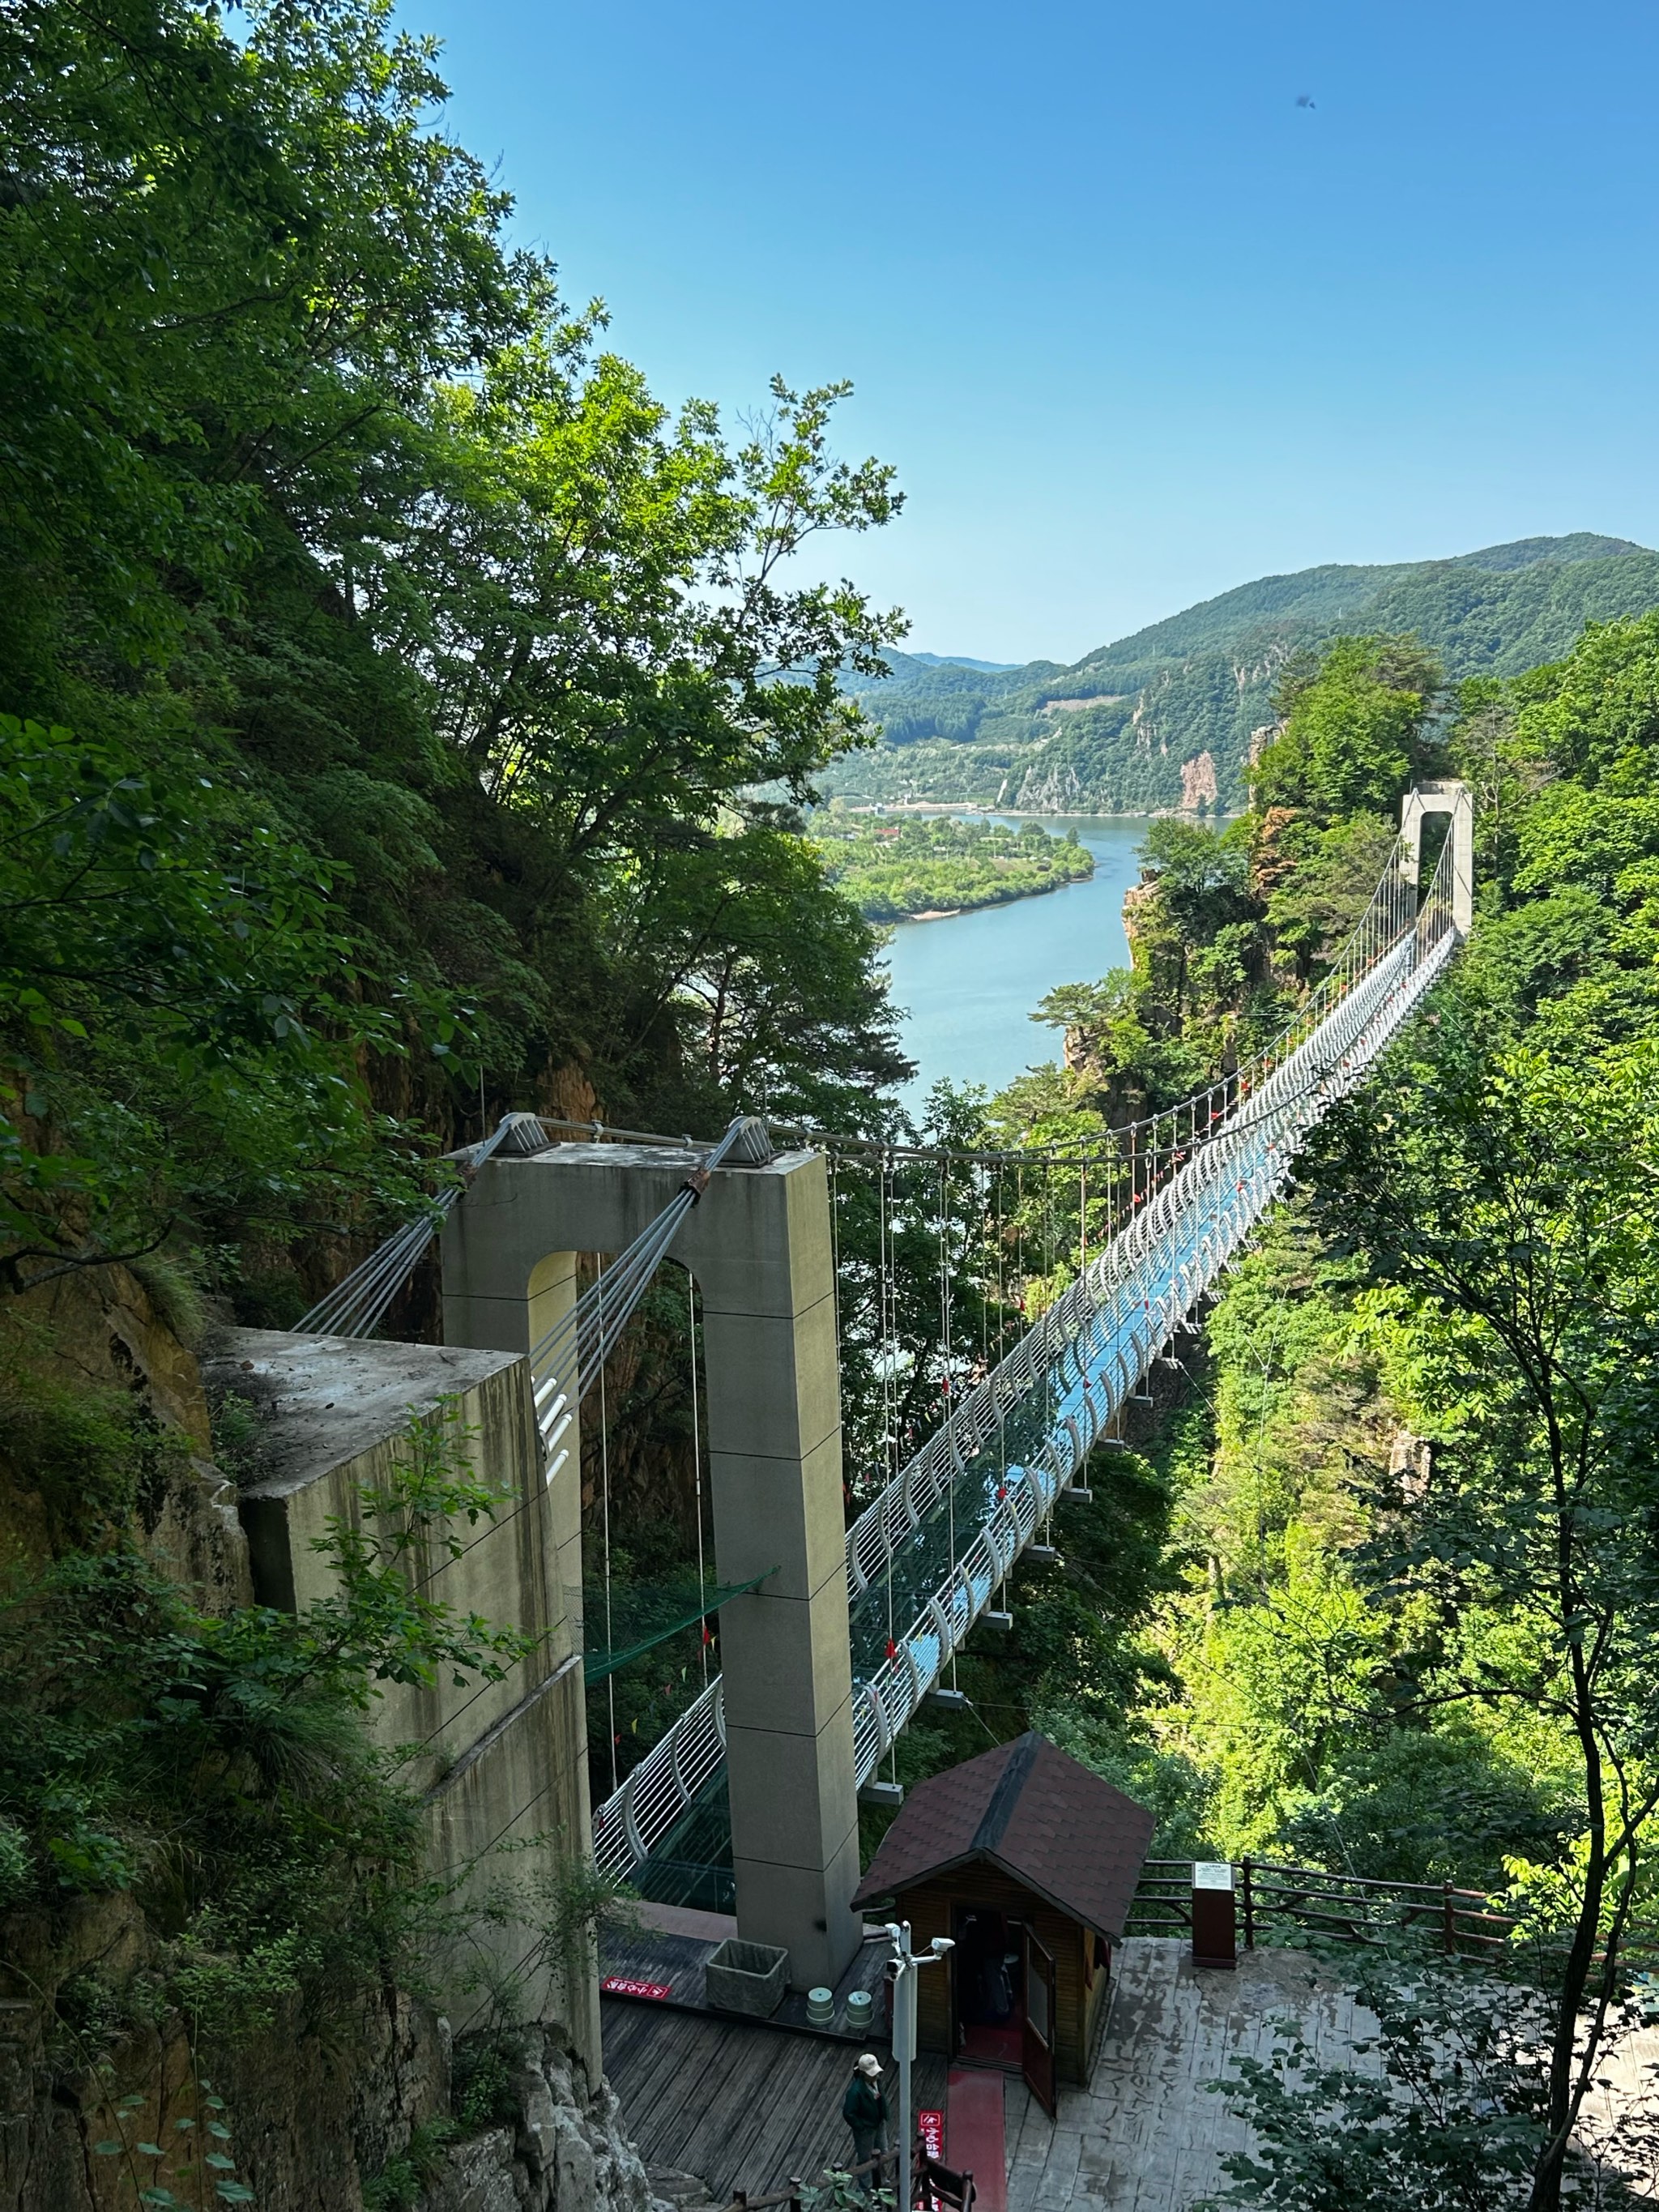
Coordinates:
(1372, 936)
(1297, 1093)
(984, 1564)
(358, 1303)
(1219, 1097)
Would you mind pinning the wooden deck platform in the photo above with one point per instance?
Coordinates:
(669, 1947)
(743, 2106)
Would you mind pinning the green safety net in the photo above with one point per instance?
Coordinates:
(645, 1614)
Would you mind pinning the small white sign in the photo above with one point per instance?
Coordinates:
(1213, 1874)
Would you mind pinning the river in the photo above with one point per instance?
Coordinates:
(969, 985)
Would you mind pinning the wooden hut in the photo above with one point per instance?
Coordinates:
(1028, 1862)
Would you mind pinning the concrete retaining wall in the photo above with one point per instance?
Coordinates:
(503, 1766)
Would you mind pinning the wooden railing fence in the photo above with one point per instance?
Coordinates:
(1355, 1908)
(1350, 1907)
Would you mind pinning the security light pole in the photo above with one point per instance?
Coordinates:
(905, 1965)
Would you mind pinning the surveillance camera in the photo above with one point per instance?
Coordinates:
(942, 1944)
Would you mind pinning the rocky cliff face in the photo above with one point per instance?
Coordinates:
(102, 1335)
(565, 2152)
(315, 2125)
(310, 2121)
(1199, 786)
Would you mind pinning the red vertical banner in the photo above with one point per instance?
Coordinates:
(930, 2140)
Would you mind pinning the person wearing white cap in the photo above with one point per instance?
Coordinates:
(863, 2108)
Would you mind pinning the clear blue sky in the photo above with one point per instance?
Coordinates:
(1133, 324)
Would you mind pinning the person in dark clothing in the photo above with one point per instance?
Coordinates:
(863, 2108)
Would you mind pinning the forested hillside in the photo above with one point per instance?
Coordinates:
(1377, 1593)
(937, 865)
(1166, 717)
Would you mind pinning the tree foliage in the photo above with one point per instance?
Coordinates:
(1511, 1199)
(372, 584)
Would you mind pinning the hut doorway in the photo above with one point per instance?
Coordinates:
(1003, 1998)
(1036, 2049)
(989, 1986)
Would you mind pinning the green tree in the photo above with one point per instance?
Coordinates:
(1511, 1199)
(1568, 854)
(176, 1014)
(317, 496)
(1448, 2116)
(1353, 733)
(224, 263)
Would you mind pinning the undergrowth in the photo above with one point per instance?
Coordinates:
(216, 1770)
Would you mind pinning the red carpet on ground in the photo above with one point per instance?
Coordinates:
(973, 2133)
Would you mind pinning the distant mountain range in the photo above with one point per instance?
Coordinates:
(1164, 718)
(958, 660)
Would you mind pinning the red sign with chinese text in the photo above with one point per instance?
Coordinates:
(620, 1985)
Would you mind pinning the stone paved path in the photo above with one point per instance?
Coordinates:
(1146, 2135)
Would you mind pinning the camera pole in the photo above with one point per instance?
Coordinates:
(904, 1966)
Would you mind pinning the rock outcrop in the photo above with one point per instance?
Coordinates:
(568, 2152)
(317, 2122)
(311, 2117)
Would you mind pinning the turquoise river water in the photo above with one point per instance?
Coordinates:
(970, 985)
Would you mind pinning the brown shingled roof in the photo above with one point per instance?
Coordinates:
(1034, 1812)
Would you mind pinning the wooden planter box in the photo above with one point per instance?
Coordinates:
(747, 1977)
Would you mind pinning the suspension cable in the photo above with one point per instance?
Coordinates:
(358, 1303)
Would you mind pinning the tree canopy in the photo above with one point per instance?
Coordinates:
(357, 568)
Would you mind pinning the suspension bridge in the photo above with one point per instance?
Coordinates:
(833, 1637)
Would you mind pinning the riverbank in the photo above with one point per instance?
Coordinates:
(933, 869)
(967, 993)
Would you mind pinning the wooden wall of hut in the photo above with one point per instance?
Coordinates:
(1079, 1989)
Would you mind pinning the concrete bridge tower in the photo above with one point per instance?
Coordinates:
(759, 1248)
(1444, 797)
